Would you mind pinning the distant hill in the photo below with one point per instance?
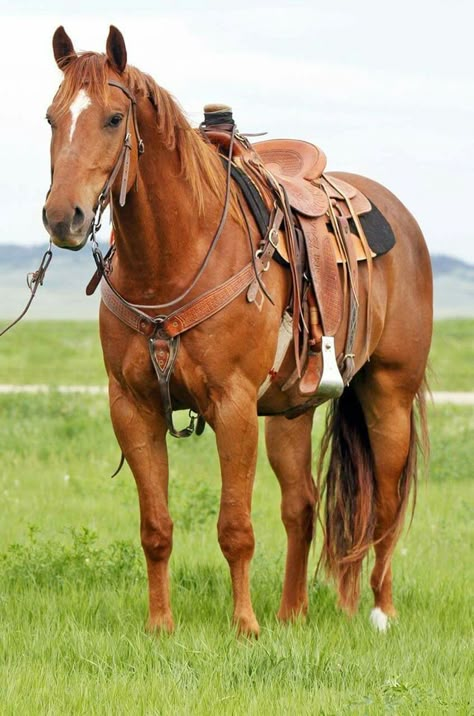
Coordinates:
(63, 294)
(453, 287)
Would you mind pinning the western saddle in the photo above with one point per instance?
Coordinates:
(314, 210)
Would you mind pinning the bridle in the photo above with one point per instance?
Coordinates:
(122, 161)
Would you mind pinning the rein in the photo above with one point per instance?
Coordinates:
(34, 280)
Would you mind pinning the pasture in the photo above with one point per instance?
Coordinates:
(73, 583)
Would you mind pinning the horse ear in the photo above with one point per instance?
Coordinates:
(63, 48)
(116, 50)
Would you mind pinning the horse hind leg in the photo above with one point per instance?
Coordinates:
(393, 437)
(372, 465)
(289, 451)
(347, 486)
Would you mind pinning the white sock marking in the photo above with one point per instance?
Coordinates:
(80, 103)
(379, 619)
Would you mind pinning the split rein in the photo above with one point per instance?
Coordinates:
(34, 280)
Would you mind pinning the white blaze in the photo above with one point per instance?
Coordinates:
(80, 103)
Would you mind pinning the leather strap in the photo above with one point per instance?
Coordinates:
(185, 318)
(368, 255)
(324, 273)
(163, 354)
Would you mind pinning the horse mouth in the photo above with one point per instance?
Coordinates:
(76, 247)
(67, 244)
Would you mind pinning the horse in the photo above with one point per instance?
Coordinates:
(166, 203)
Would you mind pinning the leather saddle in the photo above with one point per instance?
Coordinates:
(320, 206)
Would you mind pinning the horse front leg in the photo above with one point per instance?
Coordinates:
(141, 433)
(236, 427)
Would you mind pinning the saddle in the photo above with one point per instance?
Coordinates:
(317, 237)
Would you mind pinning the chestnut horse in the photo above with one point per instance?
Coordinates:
(175, 193)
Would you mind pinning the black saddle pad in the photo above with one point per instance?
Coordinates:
(377, 230)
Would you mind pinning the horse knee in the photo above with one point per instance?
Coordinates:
(236, 538)
(298, 514)
(157, 538)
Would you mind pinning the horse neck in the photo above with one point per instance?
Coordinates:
(159, 233)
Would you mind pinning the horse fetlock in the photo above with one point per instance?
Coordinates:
(293, 612)
(379, 620)
(246, 625)
(162, 624)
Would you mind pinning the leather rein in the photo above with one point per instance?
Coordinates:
(163, 331)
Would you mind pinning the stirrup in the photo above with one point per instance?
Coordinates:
(331, 384)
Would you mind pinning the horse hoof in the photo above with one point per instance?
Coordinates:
(379, 619)
(247, 627)
(161, 625)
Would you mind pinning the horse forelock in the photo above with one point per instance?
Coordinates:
(199, 164)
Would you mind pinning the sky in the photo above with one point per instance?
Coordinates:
(385, 89)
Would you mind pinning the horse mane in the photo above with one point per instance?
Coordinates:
(200, 165)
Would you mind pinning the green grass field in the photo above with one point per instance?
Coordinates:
(73, 587)
(55, 352)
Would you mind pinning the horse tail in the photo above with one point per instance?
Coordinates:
(347, 491)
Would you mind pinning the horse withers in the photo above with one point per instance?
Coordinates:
(178, 331)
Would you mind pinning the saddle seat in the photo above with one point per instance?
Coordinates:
(297, 166)
(292, 158)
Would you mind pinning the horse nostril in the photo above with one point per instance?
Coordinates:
(78, 218)
(45, 218)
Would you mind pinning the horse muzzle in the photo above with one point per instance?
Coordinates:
(68, 227)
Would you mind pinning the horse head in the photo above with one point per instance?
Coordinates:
(94, 144)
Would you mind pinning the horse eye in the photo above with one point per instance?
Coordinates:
(49, 121)
(114, 120)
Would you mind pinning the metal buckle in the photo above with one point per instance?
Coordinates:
(273, 233)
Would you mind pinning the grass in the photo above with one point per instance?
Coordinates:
(52, 353)
(55, 352)
(452, 355)
(73, 586)
(73, 603)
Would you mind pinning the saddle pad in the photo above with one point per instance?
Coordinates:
(378, 231)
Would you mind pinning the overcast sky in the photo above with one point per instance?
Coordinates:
(386, 89)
